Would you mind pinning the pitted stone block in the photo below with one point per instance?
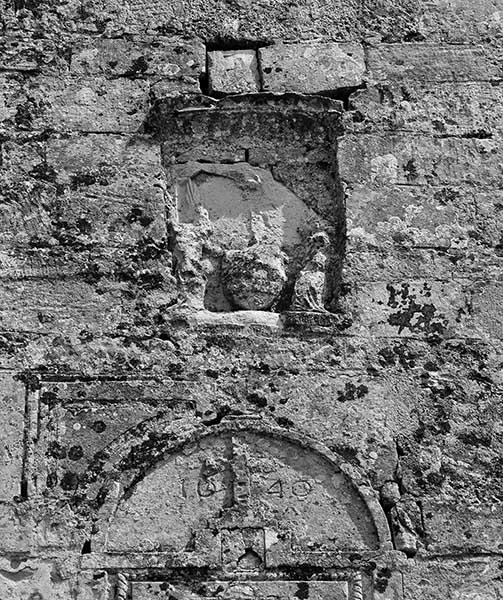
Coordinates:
(311, 67)
(432, 63)
(176, 64)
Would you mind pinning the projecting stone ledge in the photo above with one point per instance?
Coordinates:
(233, 72)
(311, 67)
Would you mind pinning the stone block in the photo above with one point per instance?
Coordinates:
(321, 401)
(90, 104)
(34, 579)
(36, 213)
(432, 63)
(126, 167)
(408, 308)
(34, 261)
(459, 22)
(233, 72)
(177, 63)
(27, 207)
(21, 157)
(489, 223)
(368, 263)
(311, 67)
(412, 216)
(17, 530)
(462, 109)
(454, 525)
(408, 159)
(365, 262)
(212, 20)
(486, 304)
(391, 20)
(55, 21)
(28, 53)
(460, 578)
(58, 305)
(11, 96)
(76, 190)
(12, 407)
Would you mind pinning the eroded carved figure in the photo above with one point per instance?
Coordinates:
(310, 286)
(253, 278)
(239, 242)
(191, 248)
(402, 526)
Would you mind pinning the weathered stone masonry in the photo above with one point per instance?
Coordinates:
(250, 330)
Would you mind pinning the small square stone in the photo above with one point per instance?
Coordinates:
(233, 71)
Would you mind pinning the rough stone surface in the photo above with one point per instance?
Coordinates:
(471, 109)
(433, 63)
(251, 280)
(233, 71)
(308, 68)
(408, 159)
(11, 453)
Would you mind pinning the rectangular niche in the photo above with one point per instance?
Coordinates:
(256, 210)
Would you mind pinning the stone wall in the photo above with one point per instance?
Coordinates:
(251, 336)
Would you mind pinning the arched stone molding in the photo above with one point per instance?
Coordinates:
(219, 456)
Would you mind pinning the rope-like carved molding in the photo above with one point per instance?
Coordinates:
(357, 587)
(122, 588)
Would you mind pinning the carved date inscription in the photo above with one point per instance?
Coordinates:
(238, 482)
(299, 489)
(209, 486)
(243, 480)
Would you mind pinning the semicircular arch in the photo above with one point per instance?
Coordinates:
(169, 490)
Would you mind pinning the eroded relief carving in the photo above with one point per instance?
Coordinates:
(402, 527)
(310, 287)
(242, 503)
(240, 237)
(255, 213)
(222, 487)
